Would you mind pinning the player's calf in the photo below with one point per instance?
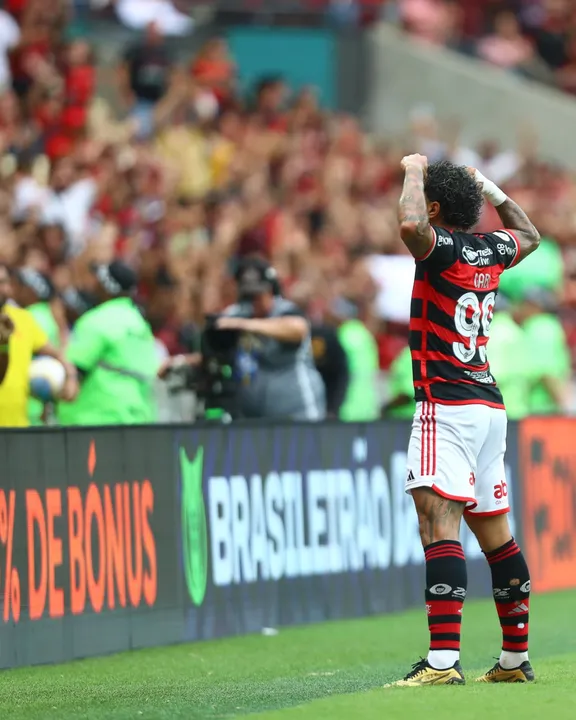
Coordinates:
(511, 591)
(446, 586)
(446, 576)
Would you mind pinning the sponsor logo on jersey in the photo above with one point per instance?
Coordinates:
(503, 248)
(442, 240)
(482, 376)
(476, 257)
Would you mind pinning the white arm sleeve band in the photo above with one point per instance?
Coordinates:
(490, 190)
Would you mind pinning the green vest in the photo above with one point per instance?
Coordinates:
(114, 348)
(544, 269)
(401, 384)
(510, 362)
(362, 401)
(549, 356)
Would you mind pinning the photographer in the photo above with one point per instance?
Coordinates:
(272, 364)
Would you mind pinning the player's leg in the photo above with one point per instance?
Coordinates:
(441, 461)
(510, 576)
(446, 577)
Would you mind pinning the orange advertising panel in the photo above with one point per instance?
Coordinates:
(90, 548)
(548, 457)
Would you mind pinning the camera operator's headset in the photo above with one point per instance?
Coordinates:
(269, 274)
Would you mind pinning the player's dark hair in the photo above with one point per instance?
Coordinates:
(457, 193)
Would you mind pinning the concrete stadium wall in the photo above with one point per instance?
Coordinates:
(491, 103)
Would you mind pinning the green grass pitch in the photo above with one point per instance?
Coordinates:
(332, 671)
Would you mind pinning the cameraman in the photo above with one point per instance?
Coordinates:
(274, 367)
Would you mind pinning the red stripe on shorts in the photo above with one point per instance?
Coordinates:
(428, 437)
(422, 438)
(425, 439)
(433, 438)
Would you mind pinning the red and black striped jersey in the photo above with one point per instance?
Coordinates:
(455, 289)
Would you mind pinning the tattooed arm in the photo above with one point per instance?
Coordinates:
(515, 219)
(415, 228)
(512, 216)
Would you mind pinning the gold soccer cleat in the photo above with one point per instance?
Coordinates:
(498, 674)
(423, 673)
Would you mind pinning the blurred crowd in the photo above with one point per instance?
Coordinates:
(533, 38)
(186, 176)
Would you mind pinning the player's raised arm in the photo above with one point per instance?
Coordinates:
(415, 228)
(512, 216)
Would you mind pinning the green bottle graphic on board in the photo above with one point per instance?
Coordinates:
(194, 530)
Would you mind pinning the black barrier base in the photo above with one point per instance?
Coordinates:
(113, 539)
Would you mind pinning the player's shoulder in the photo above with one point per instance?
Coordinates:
(485, 248)
(459, 238)
(471, 247)
(14, 311)
(20, 316)
(499, 247)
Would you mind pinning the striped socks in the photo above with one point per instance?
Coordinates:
(446, 584)
(511, 589)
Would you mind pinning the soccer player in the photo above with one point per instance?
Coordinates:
(456, 450)
(6, 330)
(26, 340)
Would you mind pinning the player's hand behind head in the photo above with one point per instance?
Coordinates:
(6, 328)
(416, 160)
(472, 171)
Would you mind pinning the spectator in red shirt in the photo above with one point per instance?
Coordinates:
(214, 70)
(80, 74)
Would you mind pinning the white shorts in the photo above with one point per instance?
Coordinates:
(458, 451)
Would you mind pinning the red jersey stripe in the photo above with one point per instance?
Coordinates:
(427, 383)
(464, 276)
(442, 302)
(433, 356)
